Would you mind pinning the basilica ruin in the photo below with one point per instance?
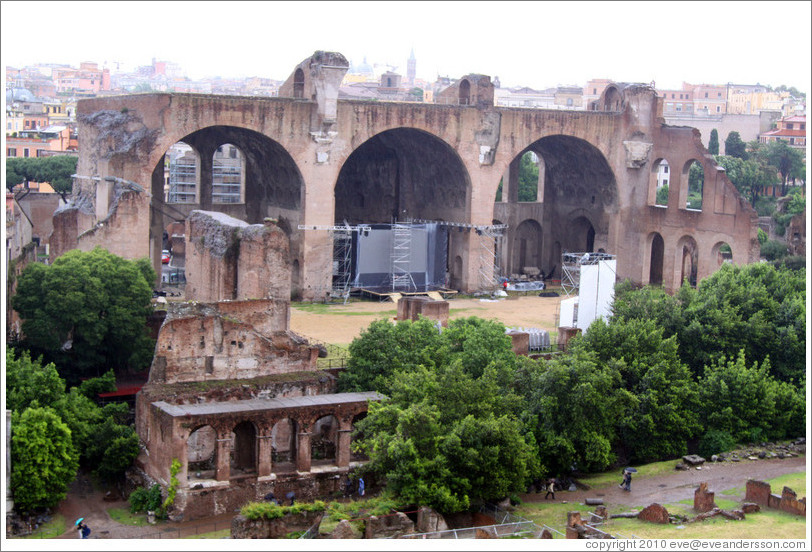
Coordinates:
(315, 162)
(307, 193)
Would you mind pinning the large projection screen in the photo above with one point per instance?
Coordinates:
(373, 250)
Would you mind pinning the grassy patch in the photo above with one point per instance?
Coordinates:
(125, 517)
(614, 475)
(551, 514)
(795, 481)
(765, 524)
(51, 529)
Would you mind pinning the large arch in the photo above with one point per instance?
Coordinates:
(270, 185)
(578, 197)
(527, 247)
(405, 174)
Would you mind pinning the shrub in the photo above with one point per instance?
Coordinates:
(773, 250)
(143, 499)
(714, 442)
(269, 510)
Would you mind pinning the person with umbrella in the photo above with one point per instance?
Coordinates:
(626, 484)
(82, 529)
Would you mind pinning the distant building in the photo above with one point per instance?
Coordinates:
(790, 129)
(411, 69)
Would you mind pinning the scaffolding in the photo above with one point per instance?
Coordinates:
(342, 254)
(490, 245)
(401, 275)
(571, 268)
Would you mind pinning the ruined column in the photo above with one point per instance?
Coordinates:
(223, 459)
(264, 466)
(343, 447)
(303, 451)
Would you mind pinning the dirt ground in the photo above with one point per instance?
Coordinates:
(346, 322)
(671, 487)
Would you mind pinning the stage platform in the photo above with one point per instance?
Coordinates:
(394, 296)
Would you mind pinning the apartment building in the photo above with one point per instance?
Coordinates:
(790, 129)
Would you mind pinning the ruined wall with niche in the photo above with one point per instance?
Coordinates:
(227, 259)
(228, 340)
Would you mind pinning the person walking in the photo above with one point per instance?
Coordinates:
(83, 530)
(361, 486)
(626, 484)
(550, 488)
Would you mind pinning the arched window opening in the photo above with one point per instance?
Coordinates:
(298, 84)
(688, 270)
(529, 174)
(181, 174)
(722, 253)
(357, 435)
(527, 254)
(465, 92)
(201, 453)
(243, 449)
(696, 184)
(228, 175)
(283, 446)
(324, 440)
(655, 275)
(661, 176)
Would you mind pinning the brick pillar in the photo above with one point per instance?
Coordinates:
(264, 453)
(343, 447)
(303, 452)
(223, 459)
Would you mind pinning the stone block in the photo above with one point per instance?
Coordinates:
(381, 527)
(520, 341)
(654, 513)
(693, 460)
(703, 499)
(344, 530)
(757, 492)
(750, 507)
(429, 520)
(790, 503)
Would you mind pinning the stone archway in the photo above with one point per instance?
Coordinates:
(243, 449)
(657, 250)
(406, 174)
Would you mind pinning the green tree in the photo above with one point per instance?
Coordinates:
(774, 250)
(29, 383)
(56, 170)
(787, 160)
(87, 311)
(735, 146)
(43, 459)
(662, 417)
(439, 440)
(696, 182)
(571, 403)
(662, 195)
(385, 348)
(528, 177)
(450, 433)
(747, 402)
(750, 177)
(713, 142)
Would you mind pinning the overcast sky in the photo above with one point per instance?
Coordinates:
(536, 44)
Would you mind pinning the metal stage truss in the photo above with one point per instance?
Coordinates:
(490, 245)
(342, 254)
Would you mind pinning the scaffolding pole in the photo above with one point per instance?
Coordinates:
(342, 252)
(401, 275)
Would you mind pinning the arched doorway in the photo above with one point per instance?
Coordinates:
(243, 449)
(655, 275)
(324, 440)
(201, 453)
(283, 446)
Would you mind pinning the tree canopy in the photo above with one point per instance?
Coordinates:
(735, 146)
(56, 170)
(449, 433)
(87, 312)
(713, 142)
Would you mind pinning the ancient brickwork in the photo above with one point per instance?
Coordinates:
(703, 499)
(760, 493)
(414, 307)
(228, 340)
(229, 259)
(313, 160)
